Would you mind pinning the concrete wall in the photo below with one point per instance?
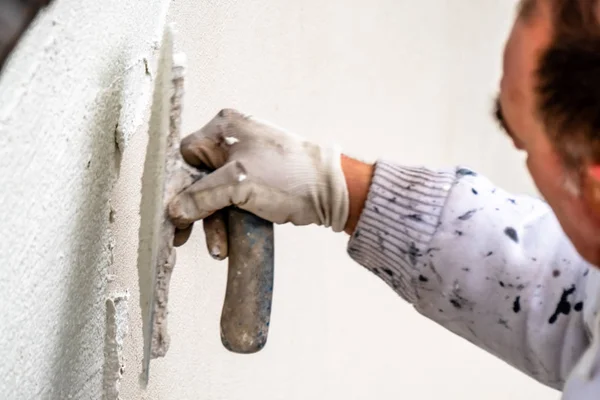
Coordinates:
(74, 91)
(394, 78)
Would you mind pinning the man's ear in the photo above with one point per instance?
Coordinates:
(594, 172)
(591, 188)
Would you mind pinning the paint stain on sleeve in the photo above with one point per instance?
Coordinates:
(465, 172)
(563, 306)
(512, 234)
(415, 217)
(556, 273)
(517, 305)
(468, 215)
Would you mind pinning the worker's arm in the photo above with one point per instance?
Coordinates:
(494, 268)
(489, 266)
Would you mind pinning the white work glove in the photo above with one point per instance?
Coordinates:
(262, 169)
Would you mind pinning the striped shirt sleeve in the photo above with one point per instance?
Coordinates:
(492, 267)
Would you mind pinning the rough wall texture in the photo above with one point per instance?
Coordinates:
(73, 92)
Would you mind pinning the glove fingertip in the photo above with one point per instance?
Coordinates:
(182, 236)
(216, 253)
(215, 230)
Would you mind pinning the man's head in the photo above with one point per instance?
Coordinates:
(549, 104)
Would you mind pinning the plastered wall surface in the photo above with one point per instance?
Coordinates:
(73, 93)
(409, 81)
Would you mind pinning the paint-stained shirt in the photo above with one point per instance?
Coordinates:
(492, 267)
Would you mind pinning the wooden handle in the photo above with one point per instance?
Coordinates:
(247, 307)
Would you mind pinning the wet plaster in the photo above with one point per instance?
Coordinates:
(72, 96)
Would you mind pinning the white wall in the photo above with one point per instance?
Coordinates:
(77, 74)
(411, 81)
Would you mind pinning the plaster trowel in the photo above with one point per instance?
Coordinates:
(247, 306)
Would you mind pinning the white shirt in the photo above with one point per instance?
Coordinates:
(494, 268)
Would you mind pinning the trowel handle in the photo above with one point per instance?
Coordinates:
(247, 308)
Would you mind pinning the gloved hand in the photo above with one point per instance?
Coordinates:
(262, 169)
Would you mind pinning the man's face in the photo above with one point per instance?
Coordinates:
(517, 113)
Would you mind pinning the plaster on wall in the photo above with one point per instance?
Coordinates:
(74, 88)
(117, 324)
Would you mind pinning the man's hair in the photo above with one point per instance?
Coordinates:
(569, 81)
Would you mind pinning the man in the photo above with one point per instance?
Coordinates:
(511, 274)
